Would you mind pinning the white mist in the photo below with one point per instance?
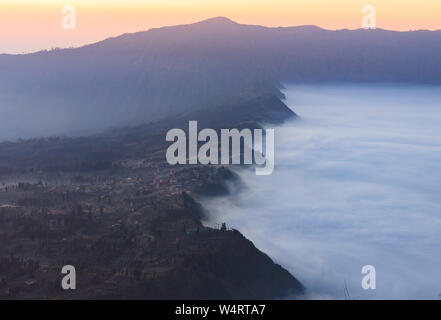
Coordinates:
(357, 182)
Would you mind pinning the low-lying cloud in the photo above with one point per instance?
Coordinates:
(356, 183)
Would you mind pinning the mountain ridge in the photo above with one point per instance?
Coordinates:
(219, 21)
(149, 75)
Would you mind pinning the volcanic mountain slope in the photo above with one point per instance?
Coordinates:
(146, 76)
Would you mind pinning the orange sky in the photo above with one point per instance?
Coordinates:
(30, 25)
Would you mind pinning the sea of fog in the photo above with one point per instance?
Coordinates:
(357, 182)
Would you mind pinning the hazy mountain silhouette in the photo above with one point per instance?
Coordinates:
(150, 75)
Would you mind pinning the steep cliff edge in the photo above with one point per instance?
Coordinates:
(229, 266)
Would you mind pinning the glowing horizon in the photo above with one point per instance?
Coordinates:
(27, 26)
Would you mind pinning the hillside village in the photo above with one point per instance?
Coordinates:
(45, 225)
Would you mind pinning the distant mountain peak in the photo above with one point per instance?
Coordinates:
(218, 21)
